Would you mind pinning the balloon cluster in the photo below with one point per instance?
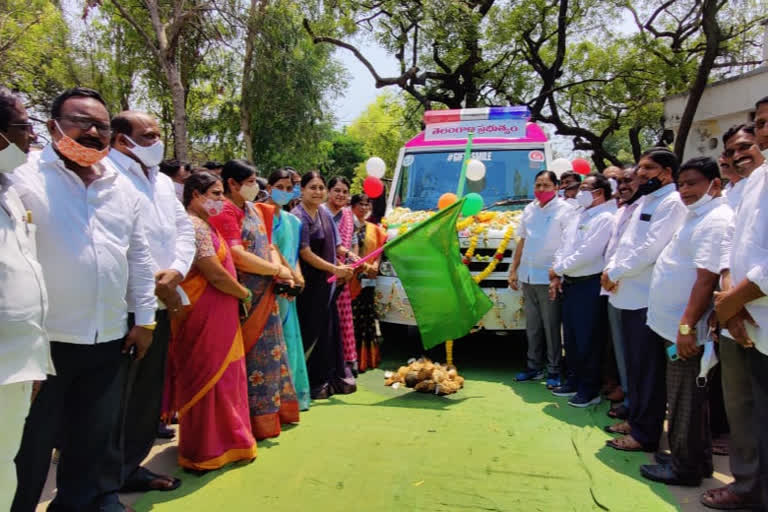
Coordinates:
(578, 165)
(372, 185)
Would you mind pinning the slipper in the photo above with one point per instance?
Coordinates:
(621, 444)
(616, 428)
(145, 484)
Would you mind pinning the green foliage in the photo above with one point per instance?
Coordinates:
(345, 154)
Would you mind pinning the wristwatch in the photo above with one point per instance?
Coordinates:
(686, 329)
(149, 327)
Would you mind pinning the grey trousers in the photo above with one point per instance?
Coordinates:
(739, 407)
(614, 320)
(690, 439)
(542, 327)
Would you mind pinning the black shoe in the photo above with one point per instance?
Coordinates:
(322, 392)
(565, 390)
(165, 432)
(665, 458)
(665, 474)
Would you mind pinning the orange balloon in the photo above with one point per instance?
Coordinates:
(446, 200)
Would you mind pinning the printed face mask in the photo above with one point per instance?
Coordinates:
(213, 207)
(11, 157)
(76, 152)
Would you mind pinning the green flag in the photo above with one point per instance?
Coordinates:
(445, 299)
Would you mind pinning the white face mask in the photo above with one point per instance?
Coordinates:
(11, 157)
(584, 198)
(614, 185)
(249, 191)
(150, 156)
(179, 188)
(702, 200)
(213, 207)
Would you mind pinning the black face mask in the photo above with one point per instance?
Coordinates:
(650, 186)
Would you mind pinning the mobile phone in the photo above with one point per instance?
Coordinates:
(672, 352)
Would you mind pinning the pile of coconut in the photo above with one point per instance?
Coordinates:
(427, 377)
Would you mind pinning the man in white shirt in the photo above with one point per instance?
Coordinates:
(569, 187)
(628, 200)
(93, 252)
(740, 145)
(540, 230)
(137, 149)
(743, 305)
(684, 279)
(576, 272)
(628, 277)
(24, 349)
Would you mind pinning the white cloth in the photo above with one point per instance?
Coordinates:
(14, 404)
(696, 245)
(620, 223)
(542, 228)
(91, 246)
(582, 250)
(24, 348)
(651, 227)
(734, 192)
(167, 227)
(745, 250)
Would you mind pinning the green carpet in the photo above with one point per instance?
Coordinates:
(494, 446)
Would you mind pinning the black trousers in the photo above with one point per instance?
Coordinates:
(78, 408)
(646, 362)
(144, 397)
(690, 439)
(759, 369)
(584, 314)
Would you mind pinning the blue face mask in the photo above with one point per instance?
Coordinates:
(281, 197)
(296, 192)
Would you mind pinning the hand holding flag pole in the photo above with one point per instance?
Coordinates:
(367, 257)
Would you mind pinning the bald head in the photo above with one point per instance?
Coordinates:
(613, 172)
(131, 128)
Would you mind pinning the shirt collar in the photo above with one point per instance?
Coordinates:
(605, 207)
(666, 189)
(50, 157)
(130, 165)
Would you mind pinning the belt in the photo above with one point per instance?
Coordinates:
(569, 279)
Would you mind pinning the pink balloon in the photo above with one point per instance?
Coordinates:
(581, 166)
(373, 187)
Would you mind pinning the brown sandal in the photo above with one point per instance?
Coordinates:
(722, 498)
(621, 428)
(627, 443)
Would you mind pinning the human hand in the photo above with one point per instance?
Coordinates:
(139, 337)
(607, 284)
(686, 345)
(166, 282)
(343, 272)
(512, 279)
(714, 326)
(737, 328)
(555, 287)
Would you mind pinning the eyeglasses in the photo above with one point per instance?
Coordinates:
(744, 146)
(84, 124)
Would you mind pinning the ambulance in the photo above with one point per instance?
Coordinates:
(513, 151)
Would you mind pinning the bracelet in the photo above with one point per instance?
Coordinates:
(249, 298)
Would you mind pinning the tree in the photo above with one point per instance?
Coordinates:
(345, 153)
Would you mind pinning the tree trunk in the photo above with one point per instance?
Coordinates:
(246, 114)
(712, 36)
(634, 140)
(180, 143)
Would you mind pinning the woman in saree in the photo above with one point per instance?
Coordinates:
(316, 306)
(363, 288)
(247, 229)
(286, 233)
(206, 360)
(338, 198)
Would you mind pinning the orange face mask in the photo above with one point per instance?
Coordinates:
(76, 152)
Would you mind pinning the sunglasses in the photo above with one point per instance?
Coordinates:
(85, 124)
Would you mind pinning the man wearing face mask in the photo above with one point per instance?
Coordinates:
(576, 272)
(684, 278)
(24, 348)
(93, 252)
(627, 276)
(742, 306)
(569, 188)
(137, 150)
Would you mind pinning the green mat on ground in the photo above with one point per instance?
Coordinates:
(494, 446)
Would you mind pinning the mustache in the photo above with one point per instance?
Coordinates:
(91, 142)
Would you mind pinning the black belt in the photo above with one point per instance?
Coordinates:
(571, 280)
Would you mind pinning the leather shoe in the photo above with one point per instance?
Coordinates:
(665, 474)
(666, 459)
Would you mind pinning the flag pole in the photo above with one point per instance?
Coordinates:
(463, 175)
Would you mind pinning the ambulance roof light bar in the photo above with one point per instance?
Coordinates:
(476, 114)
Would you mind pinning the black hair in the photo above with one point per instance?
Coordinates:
(170, 167)
(378, 207)
(238, 170)
(741, 127)
(763, 101)
(262, 183)
(358, 198)
(75, 92)
(280, 174)
(570, 174)
(309, 176)
(601, 183)
(199, 182)
(664, 158)
(8, 102)
(121, 123)
(705, 165)
(551, 174)
(211, 164)
(338, 179)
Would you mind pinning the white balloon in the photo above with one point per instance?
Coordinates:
(475, 170)
(560, 165)
(376, 167)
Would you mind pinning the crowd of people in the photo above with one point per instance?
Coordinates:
(139, 291)
(644, 277)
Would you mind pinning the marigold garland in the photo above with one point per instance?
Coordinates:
(498, 256)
